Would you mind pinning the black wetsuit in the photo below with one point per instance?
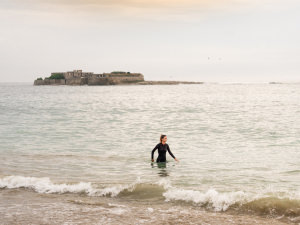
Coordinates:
(162, 149)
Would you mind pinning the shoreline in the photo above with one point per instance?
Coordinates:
(21, 206)
(56, 82)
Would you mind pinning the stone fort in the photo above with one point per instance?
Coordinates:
(77, 77)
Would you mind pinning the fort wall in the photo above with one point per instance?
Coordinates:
(77, 81)
(114, 80)
(98, 81)
(50, 82)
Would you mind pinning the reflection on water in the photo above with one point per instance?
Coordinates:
(231, 137)
(162, 171)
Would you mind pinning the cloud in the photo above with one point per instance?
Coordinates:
(133, 10)
(121, 4)
(125, 3)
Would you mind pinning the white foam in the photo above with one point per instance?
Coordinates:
(150, 210)
(115, 190)
(212, 198)
(45, 185)
(117, 211)
(165, 183)
(117, 205)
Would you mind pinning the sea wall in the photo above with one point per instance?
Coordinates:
(77, 81)
(50, 82)
(125, 80)
(112, 80)
(97, 81)
(93, 80)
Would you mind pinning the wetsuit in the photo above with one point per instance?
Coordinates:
(162, 149)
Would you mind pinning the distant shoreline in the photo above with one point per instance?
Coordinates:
(78, 77)
(180, 82)
(61, 82)
(168, 82)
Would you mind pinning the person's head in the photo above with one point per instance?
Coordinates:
(163, 138)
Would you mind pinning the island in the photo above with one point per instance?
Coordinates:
(77, 77)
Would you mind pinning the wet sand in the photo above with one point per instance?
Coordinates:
(19, 206)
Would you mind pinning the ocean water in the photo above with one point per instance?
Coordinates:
(238, 147)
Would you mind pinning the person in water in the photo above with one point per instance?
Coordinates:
(162, 147)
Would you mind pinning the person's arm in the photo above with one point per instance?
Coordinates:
(171, 153)
(152, 154)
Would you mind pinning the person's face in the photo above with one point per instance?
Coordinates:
(165, 139)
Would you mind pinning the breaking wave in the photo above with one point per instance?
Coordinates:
(239, 201)
(44, 185)
(210, 199)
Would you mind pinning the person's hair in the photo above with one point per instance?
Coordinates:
(161, 137)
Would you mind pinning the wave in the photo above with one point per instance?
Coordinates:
(262, 204)
(273, 206)
(210, 199)
(45, 185)
(239, 201)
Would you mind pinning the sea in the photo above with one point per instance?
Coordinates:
(82, 154)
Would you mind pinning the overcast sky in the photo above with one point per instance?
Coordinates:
(204, 40)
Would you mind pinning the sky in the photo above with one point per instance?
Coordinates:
(192, 40)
